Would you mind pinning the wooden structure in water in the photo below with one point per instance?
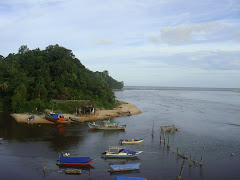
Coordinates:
(169, 128)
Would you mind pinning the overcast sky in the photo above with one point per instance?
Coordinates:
(176, 43)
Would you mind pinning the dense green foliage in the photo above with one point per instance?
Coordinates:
(31, 78)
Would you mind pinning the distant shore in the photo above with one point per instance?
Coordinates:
(124, 109)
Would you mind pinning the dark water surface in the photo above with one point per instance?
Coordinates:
(208, 118)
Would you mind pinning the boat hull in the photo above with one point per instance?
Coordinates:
(131, 142)
(98, 127)
(75, 164)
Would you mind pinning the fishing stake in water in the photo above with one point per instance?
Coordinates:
(202, 157)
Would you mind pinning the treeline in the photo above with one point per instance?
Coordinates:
(31, 78)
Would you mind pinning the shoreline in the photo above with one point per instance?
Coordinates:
(124, 109)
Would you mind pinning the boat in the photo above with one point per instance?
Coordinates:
(73, 171)
(76, 119)
(55, 117)
(1, 139)
(130, 141)
(31, 118)
(130, 178)
(124, 167)
(74, 161)
(120, 152)
(107, 125)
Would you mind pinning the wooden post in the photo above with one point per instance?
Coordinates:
(161, 137)
(44, 168)
(168, 145)
(190, 161)
(194, 160)
(177, 152)
(164, 136)
(180, 175)
(153, 130)
(202, 157)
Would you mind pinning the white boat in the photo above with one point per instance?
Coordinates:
(120, 152)
(130, 141)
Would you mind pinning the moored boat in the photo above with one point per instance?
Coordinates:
(55, 117)
(120, 152)
(74, 161)
(76, 119)
(107, 125)
(124, 167)
(1, 139)
(130, 141)
(130, 178)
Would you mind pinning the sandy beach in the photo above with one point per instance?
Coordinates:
(124, 109)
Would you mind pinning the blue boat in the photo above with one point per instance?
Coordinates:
(74, 161)
(124, 167)
(130, 178)
(31, 118)
(1, 139)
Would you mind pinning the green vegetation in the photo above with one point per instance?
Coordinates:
(31, 78)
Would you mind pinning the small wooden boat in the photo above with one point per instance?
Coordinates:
(130, 141)
(73, 171)
(74, 161)
(76, 119)
(130, 178)
(106, 126)
(120, 152)
(124, 167)
(55, 117)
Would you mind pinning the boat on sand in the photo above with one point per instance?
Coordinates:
(55, 117)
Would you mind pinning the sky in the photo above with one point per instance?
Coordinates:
(169, 43)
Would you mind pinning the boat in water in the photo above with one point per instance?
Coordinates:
(74, 161)
(1, 139)
(124, 167)
(130, 141)
(55, 117)
(120, 152)
(130, 178)
(107, 125)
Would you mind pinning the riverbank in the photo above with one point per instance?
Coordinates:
(124, 109)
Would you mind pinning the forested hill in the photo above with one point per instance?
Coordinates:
(31, 78)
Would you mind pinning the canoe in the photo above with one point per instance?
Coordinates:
(73, 171)
(76, 119)
(129, 178)
(74, 161)
(124, 167)
(130, 141)
(106, 126)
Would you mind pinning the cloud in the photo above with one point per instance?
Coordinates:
(104, 42)
(192, 33)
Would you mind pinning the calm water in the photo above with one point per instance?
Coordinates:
(207, 118)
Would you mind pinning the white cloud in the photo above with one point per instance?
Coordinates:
(192, 32)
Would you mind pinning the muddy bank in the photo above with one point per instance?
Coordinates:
(124, 109)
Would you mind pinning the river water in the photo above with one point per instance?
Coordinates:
(207, 118)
